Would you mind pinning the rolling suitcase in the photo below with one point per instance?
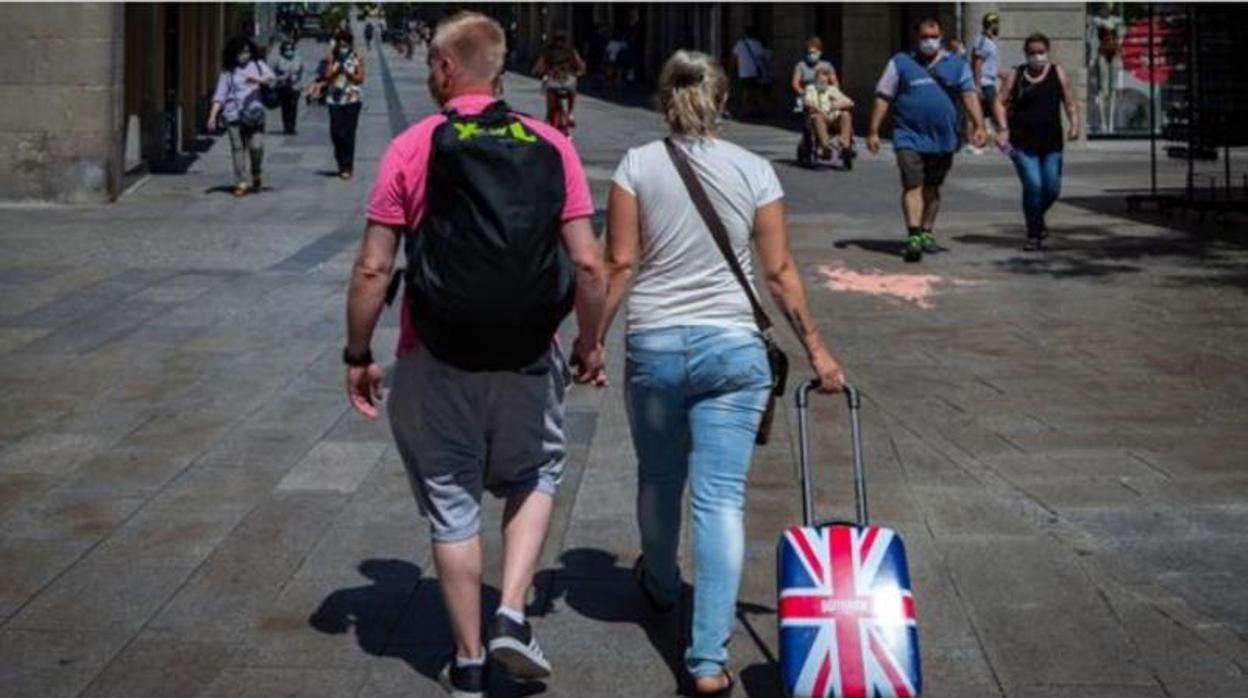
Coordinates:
(847, 618)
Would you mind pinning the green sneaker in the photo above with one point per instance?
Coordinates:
(928, 240)
(913, 251)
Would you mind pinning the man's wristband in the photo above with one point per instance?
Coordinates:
(357, 360)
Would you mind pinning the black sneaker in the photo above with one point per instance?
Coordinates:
(913, 251)
(463, 681)
(512, 644)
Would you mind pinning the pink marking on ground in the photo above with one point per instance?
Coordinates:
(912, 288)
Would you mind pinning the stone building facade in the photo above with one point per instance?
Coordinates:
(858, 37)
(96, 90)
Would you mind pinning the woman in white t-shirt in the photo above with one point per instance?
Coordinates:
(697, 376)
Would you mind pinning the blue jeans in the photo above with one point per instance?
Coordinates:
(1041, 176)
(695, 398)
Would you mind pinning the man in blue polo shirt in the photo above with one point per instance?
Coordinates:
(923, 88)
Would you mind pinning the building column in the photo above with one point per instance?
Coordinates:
(65, 68)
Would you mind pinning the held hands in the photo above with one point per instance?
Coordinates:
(590, 363)
(364, 389)
(980, 137)
(1003, 139)
(873, 143)
(1073, 134)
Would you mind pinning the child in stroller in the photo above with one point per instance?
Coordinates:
(826, 108)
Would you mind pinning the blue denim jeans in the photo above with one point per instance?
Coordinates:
(695, 398)
(1041, 176)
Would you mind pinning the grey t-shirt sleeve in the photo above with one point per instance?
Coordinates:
(626, 175)
(887, 86)
(767, 189)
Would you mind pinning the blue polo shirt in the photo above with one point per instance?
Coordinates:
(925, 112)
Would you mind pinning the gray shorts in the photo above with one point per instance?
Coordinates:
(923, 169)
(461, 432)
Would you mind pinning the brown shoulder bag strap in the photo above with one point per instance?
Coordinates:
(716, 226)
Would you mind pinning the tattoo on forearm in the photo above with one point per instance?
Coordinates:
(799, 324)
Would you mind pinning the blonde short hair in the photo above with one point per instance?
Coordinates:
(692, 90)
(475, 41)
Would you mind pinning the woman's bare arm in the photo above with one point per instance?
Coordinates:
(780, 272)
(623, 247)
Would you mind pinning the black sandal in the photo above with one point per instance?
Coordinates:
(725, 691)
(639, 575)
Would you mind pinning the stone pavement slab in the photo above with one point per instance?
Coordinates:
(188, 506)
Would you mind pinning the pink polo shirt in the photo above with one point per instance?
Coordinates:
(398, 196)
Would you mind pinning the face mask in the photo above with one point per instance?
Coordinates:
(244, 58)
(929, 46)
(1037, 60)
(813, 58)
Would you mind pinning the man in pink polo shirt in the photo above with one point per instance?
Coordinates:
(494, 211)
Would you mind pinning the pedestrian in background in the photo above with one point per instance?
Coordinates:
(368, 35)
(344, 75)
(289, 71)
(1029, 113)
(697, 375)
(559, 66)
(985, 63)
(237, 101)
(752, 62)
(479, 384)
(922, 88)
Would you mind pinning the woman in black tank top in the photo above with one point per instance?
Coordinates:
(1031, 102)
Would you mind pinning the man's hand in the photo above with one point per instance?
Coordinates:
(364, 389)
(1073, 134)
(590, 361)
(831, 376)
(980, 137)
(1003, 139)
(873, 143)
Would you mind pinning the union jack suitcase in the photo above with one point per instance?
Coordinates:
(847, 618)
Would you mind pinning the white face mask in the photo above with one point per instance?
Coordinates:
(1037, 60)
(929, 46)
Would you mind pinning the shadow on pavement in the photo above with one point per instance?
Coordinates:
(890, 246)
(399, 614)
(1087, 251)
(762, 678)
(1115, 203)
(593, 584)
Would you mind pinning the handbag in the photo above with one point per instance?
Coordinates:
(776, 358)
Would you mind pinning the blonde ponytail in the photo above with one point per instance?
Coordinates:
(692, 90)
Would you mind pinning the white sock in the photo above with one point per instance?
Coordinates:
(465, 661)
(511, 613)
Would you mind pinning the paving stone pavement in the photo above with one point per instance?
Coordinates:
(188, 508)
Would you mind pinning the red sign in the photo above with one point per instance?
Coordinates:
(1136, 55)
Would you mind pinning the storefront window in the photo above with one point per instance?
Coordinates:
(1123, 42)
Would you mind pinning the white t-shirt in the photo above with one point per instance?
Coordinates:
(750, 66)
(682, 278)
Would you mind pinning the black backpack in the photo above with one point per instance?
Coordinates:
(488, 279)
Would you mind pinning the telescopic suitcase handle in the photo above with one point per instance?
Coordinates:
(854, 401)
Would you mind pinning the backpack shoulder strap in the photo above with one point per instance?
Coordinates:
(716, 227)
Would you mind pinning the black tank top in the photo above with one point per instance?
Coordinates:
(1035, 116)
